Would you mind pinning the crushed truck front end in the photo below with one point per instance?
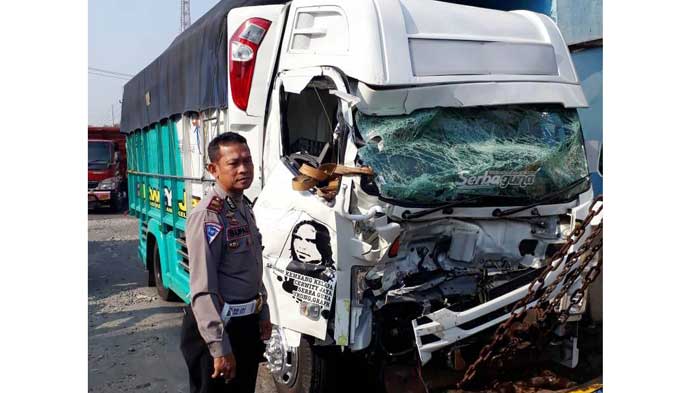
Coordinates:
(475, 203)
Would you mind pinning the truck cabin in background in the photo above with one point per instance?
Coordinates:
(106, 168)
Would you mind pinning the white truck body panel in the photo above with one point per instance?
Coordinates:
(409, 42)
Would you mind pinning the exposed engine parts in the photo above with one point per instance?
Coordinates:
(454, 265)
(453, 261)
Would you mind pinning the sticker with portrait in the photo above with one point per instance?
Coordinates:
(305, 276)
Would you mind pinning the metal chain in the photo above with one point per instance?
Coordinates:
(591, 246)
(579, 294)
(540, 313)
(519, 310)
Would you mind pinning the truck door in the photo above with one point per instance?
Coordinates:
(299, 228)
(253, 38)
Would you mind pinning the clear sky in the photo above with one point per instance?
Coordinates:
(125, 36)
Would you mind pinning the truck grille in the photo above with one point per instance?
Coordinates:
(92, 184)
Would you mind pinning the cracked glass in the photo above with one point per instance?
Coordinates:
(437, 155)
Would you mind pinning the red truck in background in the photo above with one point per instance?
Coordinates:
(106, 168)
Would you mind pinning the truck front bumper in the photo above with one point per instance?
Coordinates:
(98, 198)
(442, 328)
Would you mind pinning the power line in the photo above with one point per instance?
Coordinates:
(109, 76)
(109, 72)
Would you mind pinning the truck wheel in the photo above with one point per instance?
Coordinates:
(116, 203)
(151, 281)
(165, 293)
(306, 369)
(120, 202)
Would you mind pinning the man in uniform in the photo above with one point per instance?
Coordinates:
(227, 319)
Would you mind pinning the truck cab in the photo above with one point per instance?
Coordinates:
(468, 118)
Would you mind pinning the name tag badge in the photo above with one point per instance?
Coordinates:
(236, 234)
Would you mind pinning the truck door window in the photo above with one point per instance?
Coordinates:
(310, 120)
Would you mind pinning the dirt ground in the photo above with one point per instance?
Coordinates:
(133, 337)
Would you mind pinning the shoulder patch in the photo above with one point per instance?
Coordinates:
(212, 229)
(215, 204)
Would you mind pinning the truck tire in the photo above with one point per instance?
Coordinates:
(114, 203)
(121, 202)
(165, 293)
(151, 281)
(314, 371)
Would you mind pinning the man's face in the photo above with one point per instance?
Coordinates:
(304, 242)
(234, 170)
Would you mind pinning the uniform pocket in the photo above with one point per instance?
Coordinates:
(239, 245)
(237, 258)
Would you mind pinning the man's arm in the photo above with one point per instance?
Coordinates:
(265, 314)
(204, 237)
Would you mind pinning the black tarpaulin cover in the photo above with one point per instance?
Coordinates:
(190, 75)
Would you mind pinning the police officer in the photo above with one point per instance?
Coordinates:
(227, 319)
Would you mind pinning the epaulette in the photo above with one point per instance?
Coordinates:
(215, 204)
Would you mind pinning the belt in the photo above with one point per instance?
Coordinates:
(230, 310)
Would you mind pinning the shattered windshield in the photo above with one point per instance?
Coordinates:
(518, 153)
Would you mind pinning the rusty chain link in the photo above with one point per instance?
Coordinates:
(590, 247)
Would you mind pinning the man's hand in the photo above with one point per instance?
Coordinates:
(225, 366)
(265, 329)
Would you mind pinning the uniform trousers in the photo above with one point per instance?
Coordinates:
(247, 348)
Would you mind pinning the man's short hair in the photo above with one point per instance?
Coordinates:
(225, 138)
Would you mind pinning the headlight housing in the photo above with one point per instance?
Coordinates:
(107, 184)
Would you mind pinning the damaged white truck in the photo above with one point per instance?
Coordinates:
(421, 170)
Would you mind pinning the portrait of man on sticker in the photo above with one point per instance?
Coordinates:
(310, 249)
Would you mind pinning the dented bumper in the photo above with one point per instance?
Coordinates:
(444, 327)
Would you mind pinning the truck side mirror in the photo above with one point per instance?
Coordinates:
(117, 156)
(599, 161)
(594, 155)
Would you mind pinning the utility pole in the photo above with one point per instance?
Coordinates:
(185, 14)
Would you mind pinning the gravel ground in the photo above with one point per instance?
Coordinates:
(133, 337)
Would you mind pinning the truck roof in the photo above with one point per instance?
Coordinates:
(414, 42)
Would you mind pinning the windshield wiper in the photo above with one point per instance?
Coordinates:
(546, 198)
(408, 215)
(95, 161)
